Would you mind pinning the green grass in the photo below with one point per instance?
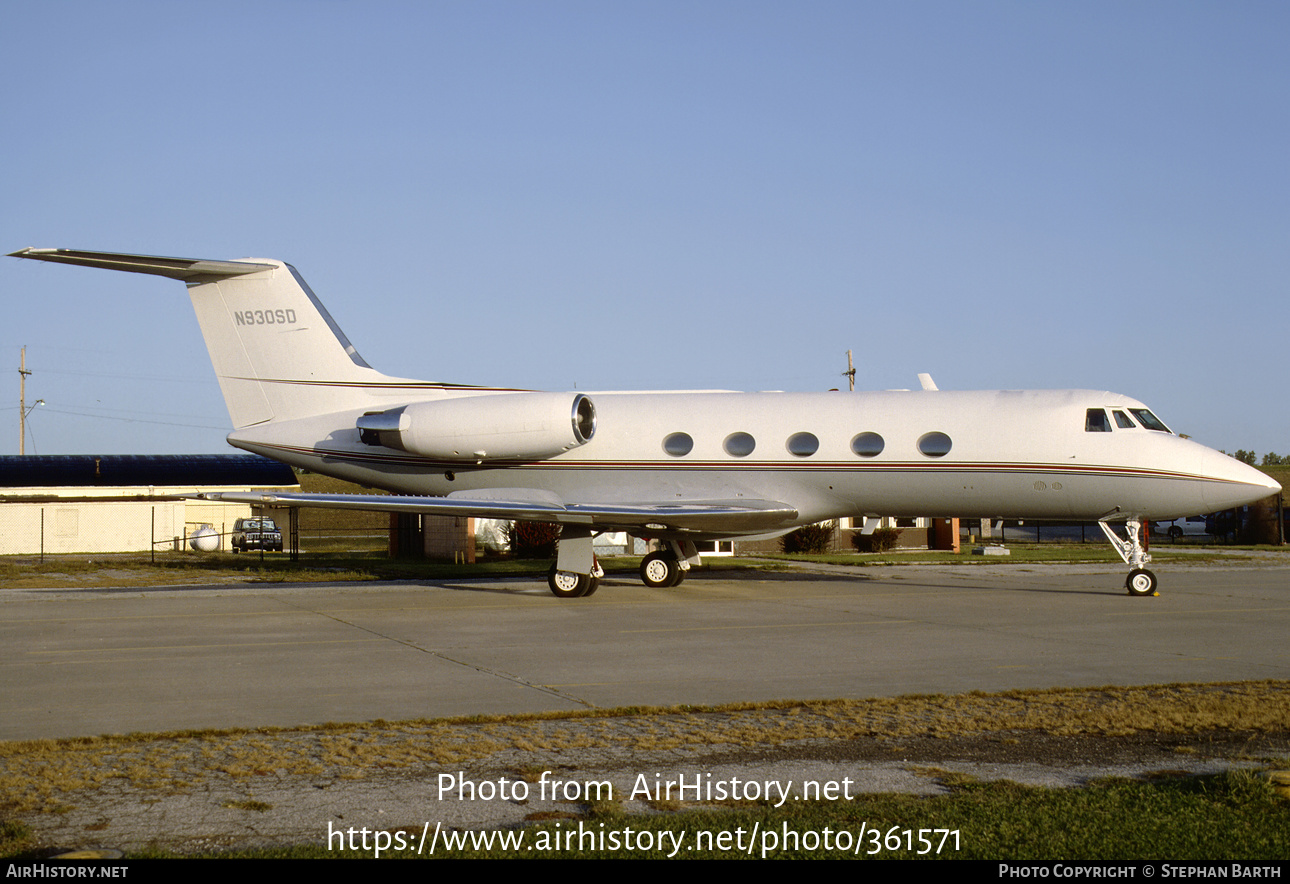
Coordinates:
(107, 570)
(136, 569)
(103, 570)
(1029, 553)
(1280, 473)
(15, 837)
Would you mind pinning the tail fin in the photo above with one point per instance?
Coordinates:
(277, 353)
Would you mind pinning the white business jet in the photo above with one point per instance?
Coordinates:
(679, 467)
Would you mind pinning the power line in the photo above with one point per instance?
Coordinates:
(135, 420)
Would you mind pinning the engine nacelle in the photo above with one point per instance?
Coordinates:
(475, 429)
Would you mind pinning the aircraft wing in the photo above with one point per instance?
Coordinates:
(714, 518)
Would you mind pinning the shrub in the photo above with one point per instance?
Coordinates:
(533, 540)
(809, 538)
(880, 540)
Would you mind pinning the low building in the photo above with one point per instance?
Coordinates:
(83, 503)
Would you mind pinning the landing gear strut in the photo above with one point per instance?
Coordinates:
(576, 572)
(1140, 580)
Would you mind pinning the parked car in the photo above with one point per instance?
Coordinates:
(1191, 526)
(256, 534)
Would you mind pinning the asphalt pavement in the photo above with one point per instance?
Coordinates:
(96, 661)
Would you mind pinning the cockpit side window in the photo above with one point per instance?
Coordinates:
(1096, 421)
(1149, 420)
(1122, 421)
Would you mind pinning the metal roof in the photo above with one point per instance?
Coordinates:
(138, 470)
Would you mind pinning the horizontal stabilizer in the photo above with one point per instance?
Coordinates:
(186, 269)
(716, 518)
(277, 352)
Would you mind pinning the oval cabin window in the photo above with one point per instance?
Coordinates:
(934, 444)
(867, 444)
(678, 444)
(740, 444)
(803, 444)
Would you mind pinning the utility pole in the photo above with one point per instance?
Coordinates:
(22, 402)
(23, 410)
(850, 372)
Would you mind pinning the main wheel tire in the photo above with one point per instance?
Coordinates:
(568, 585)
(659, 570)
(1174, 532)
(1141, 582)
(681, 574)
(593, 583)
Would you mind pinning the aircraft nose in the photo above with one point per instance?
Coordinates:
(1235, 484)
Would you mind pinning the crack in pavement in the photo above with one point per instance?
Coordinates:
(440, 655)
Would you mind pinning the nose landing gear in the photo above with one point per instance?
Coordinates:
(1140, 581)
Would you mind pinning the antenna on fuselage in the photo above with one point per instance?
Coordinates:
(850, 373)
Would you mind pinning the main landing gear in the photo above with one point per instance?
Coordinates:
(1140, 580)
(576, 572)
(568, 585)
(669, 566)
(662, 569)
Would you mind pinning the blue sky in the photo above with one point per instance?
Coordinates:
(659, 195)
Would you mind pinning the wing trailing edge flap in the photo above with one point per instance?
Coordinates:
(715, 517)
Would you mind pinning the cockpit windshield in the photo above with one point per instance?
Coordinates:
(1149, 420)
(1096, 420)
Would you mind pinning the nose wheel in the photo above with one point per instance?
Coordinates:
(1141, 582)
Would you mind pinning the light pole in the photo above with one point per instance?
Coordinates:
(22, 447)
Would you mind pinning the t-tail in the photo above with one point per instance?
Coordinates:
(277, 352)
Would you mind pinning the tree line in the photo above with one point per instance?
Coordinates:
(1271, 459)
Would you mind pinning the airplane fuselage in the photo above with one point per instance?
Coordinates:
(1023, 453)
